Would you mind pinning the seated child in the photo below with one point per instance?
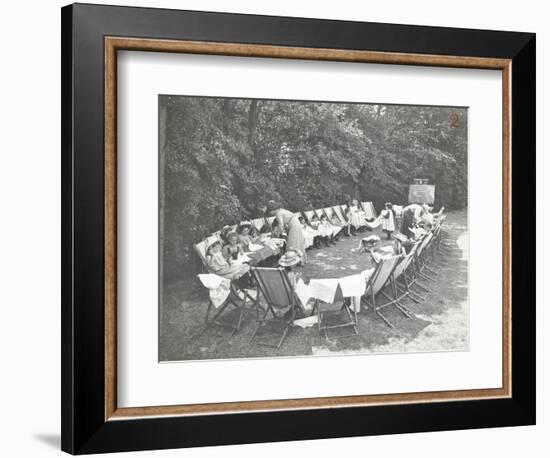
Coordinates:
(252, 245)
(233, 248)
(278, 235)
(218, 265)
(245, 237)
(338, 224)
(308, 231)
(318, 238)
(328, 231)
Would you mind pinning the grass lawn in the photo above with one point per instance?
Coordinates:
(440, 322)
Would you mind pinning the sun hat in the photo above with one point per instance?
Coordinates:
(211, 242)
(290, 258)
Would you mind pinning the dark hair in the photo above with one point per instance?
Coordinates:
(217, 242)
(242, 226)
(272, 206)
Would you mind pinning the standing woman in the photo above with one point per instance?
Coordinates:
(291, 225)
(411, 216)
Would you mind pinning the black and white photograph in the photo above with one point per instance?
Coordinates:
(302, 228)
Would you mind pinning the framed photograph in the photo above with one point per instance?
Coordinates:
(284, 228)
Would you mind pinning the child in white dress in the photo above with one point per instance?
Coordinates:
(388, 219)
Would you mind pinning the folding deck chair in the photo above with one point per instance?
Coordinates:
(258, 223)
(308, 214)
(404, 272)
(338, 211)
(238, 297)
(421, 258)
(336, 318)
(368, 208)
(269, 220)
(380, 278)
(319, 212)
(323, 212)
(275, 287)
(329, 212)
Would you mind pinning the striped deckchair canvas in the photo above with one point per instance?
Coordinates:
(338, 210)
(329, 212)
(320, 212)
(258, 223)
(369, 210)
(309, 214)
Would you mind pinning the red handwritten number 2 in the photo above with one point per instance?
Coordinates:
(454, 120)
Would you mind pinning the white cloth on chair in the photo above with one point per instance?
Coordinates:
(218, 288)
(324, 289)
(353, 285)
(304, 294)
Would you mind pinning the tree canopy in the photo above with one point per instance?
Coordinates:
(221, 157)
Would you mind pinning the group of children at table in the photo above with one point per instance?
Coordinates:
(232, 255)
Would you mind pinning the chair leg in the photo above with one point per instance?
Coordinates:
(426, 276)
(422, 287)
(432, 270)
(283, 337)
(260, 322)
(384, 318)
(403, 309)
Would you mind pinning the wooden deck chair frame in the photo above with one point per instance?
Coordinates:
(404, 273)
(234, 295)
(434, 264)
(265, 290)
(382, 280)
(232, 300)
(322, 327)
(421, 259)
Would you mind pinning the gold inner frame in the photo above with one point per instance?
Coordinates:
(114, 44)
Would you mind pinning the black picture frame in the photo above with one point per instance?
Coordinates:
(84, 428)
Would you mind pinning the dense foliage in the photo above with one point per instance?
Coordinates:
(220, 158)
